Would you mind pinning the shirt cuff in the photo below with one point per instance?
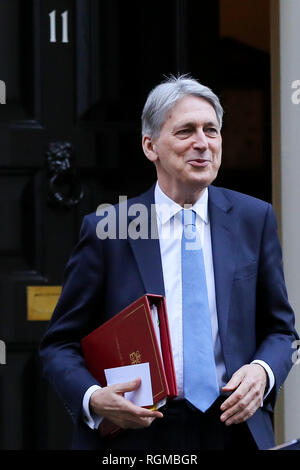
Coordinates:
(91, 419)
(269, 374)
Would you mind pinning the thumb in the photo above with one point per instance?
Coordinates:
(233, 383)
(127, 386)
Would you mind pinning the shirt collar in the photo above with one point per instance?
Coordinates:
(166, 208)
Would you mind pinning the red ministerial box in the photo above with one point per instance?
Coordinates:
(130, 338)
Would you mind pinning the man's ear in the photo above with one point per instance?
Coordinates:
(149, 148)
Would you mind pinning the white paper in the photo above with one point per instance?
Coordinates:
(141, 396)
(155, 320)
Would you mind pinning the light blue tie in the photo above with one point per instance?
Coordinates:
(199, 369)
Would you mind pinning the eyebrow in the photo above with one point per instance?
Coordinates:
(193, 123)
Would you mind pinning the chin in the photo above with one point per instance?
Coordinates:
(202, 182)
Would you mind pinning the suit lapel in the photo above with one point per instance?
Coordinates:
(223, 236)
(147, 251)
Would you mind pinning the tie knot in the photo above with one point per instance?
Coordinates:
(190, 237)
(188, 217)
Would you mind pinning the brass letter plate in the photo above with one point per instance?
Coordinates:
(41, 302)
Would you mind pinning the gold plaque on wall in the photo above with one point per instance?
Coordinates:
(41, 302)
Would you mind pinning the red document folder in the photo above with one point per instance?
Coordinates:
(130, 338)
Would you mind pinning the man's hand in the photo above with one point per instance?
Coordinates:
(249, 384)
(110, 403)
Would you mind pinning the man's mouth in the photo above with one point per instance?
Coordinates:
(199, 162)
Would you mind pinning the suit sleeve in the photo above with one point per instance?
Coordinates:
(76, 314)
(275, 318)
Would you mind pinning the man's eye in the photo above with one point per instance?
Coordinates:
(211, 130)
(184, 131)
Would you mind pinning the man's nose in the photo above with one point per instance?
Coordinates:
(200, 140)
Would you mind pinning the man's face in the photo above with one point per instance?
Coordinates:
(187, 154)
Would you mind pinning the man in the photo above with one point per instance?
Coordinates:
(249, 324)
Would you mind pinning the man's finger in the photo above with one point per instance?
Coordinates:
(132, 408)
(126, 386)
(234, 382)
(146, 413)
(240, 393)
(238, 414)
(239, 402)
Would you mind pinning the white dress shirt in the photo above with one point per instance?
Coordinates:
(169, 224)
(169, 220)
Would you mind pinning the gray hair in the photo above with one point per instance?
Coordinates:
(165, 95)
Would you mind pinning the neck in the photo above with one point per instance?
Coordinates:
(183, 196)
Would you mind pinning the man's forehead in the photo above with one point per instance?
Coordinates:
(189, 105)
(192, 115)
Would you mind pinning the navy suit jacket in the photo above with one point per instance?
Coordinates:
(103, 276)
